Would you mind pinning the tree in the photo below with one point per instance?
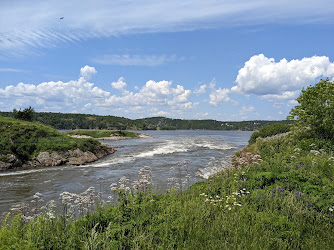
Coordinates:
(316, 109)
(26, 115)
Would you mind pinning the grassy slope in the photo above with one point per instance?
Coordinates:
(26, 139)
(289, 206)
(102, 133)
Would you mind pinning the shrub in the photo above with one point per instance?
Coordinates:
(25, 115)
(274, 129)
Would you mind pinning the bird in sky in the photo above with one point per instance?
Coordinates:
(61, 18)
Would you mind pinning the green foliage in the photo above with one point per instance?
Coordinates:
(316, 109)
(102, 133)
(163, 123)
(84, 121)
(26, 139)
(284, 201)
(274, 129)
(25, 115)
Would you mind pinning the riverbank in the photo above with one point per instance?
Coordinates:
(278, 194)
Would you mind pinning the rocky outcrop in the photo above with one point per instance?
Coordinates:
(46, 159)
(9, 162)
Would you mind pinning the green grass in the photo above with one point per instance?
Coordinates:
(26, 139)
(279, 197)
(102, 133)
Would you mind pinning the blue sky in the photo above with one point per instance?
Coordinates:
(223, 60)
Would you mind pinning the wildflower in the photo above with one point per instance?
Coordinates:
(315, 152)
(331, 209)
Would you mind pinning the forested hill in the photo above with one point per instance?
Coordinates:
(85, 121)
(169, 124)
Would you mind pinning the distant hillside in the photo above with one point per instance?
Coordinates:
(167, 123)
(85, 121)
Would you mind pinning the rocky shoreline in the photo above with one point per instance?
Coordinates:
(46, 159)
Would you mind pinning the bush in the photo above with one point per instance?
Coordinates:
(25, 115)
(274, 129)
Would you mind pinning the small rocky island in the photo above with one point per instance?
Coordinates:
(25, 144)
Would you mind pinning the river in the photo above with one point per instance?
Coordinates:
(163, 150)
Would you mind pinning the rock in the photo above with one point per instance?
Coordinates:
(4, 165)
(46, 159)
(105, 150)
(84, 157)
(9, 162)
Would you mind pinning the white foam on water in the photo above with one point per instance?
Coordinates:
(170, 147)
(212, 143)
(124, 159)
(30, 171)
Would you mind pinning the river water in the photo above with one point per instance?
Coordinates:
(163, 150)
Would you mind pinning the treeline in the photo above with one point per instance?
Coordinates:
(167, 123)
(86, 121)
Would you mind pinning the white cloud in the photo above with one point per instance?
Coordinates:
(286, 95)
(161, 113)
(88, 105)
(11, 70)
(280, 80)
(201, 90)
(87, 72)
(245, 110)
(153, 93)
(136, 60)
(202, 115)
(120, 84)
(105, 18)
(218, 96)
(53, 96)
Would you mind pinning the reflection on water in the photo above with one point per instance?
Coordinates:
(162, 151)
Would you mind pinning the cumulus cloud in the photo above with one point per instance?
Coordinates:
(120, 84)
(54, 96)
(87, 72)
(161, 113)
(280, 80)
(217, 96)
(201, 89)
(153, 93)
(246, 109)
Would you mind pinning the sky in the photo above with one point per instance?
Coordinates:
(225, 60)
